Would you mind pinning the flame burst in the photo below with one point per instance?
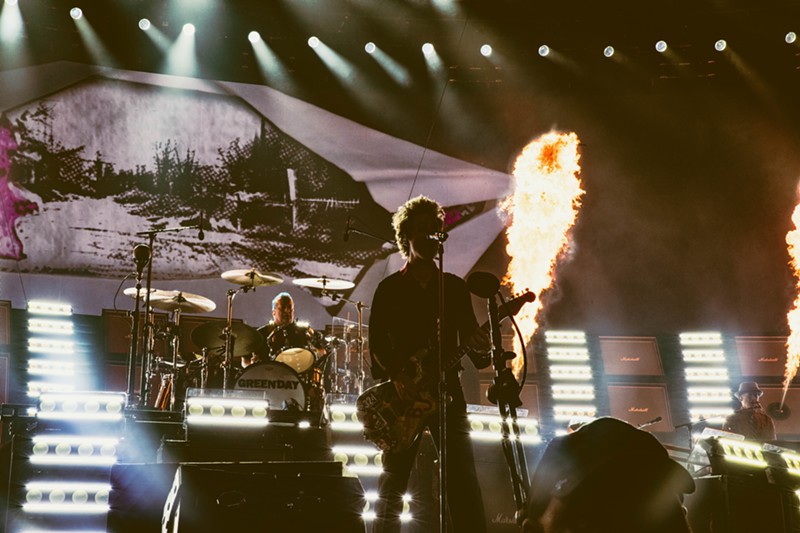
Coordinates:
(793, 317)
(541, 210)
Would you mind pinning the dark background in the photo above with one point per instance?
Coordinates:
(689, 158)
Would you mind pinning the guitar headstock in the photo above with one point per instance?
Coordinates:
(512, 307)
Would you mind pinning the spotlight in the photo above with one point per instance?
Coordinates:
(254, 37)
(790, 38)
(544, 50)
(369, 48)
(189, 28)
(11, 2)
(661, 47)
(144, 24)
(720, 45)
(427, 49)
(608, 51)
(75, 13)
(486, 50)
(313, 42)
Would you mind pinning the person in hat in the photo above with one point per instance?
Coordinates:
(751, 420)
(607, 476)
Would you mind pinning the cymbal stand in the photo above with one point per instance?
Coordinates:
(176, 342)
(360, 306)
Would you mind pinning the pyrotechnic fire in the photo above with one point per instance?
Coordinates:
(793, 317)
(542, 209)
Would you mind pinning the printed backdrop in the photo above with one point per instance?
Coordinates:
(92, 159)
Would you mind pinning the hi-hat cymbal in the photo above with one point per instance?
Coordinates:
(325, 283)
(246, 340)
(252, 278)
(186, 302)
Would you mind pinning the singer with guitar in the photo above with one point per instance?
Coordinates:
(402, 332)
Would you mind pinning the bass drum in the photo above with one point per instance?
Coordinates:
(281, 385)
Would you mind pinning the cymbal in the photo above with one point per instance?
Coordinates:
(325, 283)
(252, 277)
(186, 302)
(131, 291)
(246, 339)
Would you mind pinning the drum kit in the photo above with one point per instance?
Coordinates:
(298, 367)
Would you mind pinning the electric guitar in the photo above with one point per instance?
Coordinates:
(394, 412)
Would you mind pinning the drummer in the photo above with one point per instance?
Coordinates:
(284, 332)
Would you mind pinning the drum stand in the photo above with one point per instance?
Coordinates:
(359, 379)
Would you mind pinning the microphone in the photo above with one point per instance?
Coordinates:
(200, 234)
(483, 284)
(656, 420)
(141, 254)
(347, 231)
(439, 236)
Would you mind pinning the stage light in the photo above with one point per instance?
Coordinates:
(253, 36)
(608, 51)
(44, 307)
(720, 45)
(697, 414)
(11, 2)
(554, 336)
(189, 28)
(790, 37)
(144, 24)
(706, 374)
(744, 452)
(544, 50)
(57, 327)
(661, 47)
(428, 49)
(72, 450)
(703, 356)
(369, 48)
(486, 50)
(90, 406)
(573, 372)
(76, 13)
(565, 413)
(313, 42)
(701, 338)
(568, 354)
(709, 395)
(573, 392)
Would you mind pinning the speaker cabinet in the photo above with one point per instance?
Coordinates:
(138, 495)
(274, 498)
(761, 356)
(631, 356)
(736, 504)
(639, 404)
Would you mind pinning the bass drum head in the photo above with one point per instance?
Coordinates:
(281, 384)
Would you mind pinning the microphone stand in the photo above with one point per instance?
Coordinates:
(504, 392)
(133, 349)
(441, 368)
(149, 326)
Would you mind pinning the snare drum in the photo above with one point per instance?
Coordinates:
(280, 383)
